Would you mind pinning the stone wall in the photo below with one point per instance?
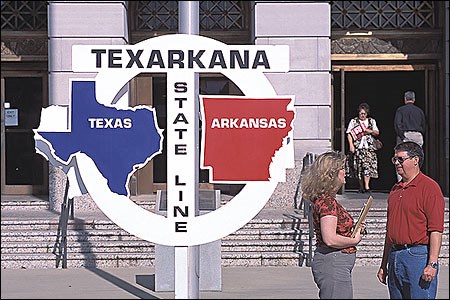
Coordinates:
(305, 27)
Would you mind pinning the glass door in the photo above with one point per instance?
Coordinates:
(23, 171)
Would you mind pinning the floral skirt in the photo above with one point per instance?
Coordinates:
(363, 162)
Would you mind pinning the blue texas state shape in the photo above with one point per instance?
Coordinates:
(116, 140)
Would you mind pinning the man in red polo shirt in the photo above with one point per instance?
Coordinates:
(415, 222)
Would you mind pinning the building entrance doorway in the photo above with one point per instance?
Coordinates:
(23, 171)
(383, 91)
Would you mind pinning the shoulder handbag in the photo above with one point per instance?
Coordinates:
(377, 143)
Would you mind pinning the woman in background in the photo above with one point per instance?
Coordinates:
(360, 132)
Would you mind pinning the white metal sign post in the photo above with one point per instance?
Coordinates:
(182, 168)
(110, 140)
(187, 258)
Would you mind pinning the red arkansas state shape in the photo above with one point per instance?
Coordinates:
(241, 136)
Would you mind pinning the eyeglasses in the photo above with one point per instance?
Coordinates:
(400, 159)
(363, 113)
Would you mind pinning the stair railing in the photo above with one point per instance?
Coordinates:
(306, 206)
(60, 246)
(298, 232)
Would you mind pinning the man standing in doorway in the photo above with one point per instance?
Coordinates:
(409, 121)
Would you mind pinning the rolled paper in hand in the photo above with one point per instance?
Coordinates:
(362, 215)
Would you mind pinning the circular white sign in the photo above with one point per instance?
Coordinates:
(206, 227)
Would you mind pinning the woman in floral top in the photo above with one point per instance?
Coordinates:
(335, 252)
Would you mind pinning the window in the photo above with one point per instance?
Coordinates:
(24, 15)
(383, 14)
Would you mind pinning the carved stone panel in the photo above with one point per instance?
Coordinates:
(24, 48)
(371, 45)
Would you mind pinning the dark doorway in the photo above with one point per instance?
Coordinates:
(23, 171)
(383, 91)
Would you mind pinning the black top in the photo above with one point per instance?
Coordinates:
(409, 117)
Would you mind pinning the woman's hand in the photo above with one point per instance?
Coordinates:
(381, 275)
(372, 132)
(359, 234)
(352, 148)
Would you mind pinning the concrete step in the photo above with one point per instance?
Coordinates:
(78, 247)
(249, 258)
(270, 239)
(257, 245)
(24, 202)
(77, 260)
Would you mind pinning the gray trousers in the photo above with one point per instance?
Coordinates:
(332, 272)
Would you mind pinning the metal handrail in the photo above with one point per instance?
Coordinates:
(306, 206)
(60, 246)
(298, 243)
(307, 213)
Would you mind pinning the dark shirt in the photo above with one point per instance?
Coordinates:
(409, 117)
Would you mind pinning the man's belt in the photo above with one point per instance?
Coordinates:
(403, 246)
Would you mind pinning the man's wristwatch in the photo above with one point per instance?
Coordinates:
(434, 265)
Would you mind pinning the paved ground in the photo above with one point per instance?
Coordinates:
(138, 283)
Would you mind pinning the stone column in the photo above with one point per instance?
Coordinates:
(70, 23)
(306, 28)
